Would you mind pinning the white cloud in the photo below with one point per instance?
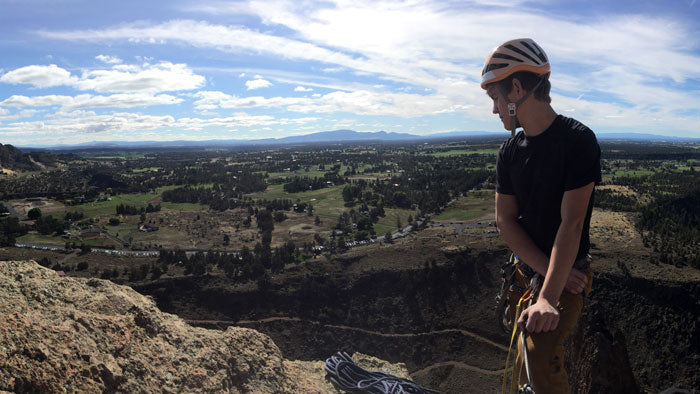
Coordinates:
(210, 100)
(302, 89)
(90, 101)
(360, 102)
(39, 76)
(239, 119)
(108, 59)
(638, 62)
(164, 76)
(257, 83)
(27, 113)
(87, 123)
(122, 78)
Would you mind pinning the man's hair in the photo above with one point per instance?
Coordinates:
(528, 80)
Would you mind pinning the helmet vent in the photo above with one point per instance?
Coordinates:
(538, 51)
(508, 57)
(518, 50)
(493, 66)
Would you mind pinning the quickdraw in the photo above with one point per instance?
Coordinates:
(502, 307)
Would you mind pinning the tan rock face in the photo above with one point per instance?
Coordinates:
(60, 334)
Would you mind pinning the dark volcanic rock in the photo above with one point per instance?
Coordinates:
(597, 359)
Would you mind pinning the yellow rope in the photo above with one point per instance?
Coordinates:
(522, 299)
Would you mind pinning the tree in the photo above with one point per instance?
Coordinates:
(34, 214)
(317, 221)
(156, 273)
(387, 237)
(279, 216)
(227, 240)
(398, 222)
(85, 249)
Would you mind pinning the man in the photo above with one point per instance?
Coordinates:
(545, 178)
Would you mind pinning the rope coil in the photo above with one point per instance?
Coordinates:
(345, 375)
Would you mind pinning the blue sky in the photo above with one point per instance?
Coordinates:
(76, 71)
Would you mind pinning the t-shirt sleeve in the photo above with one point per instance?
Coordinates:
(503, 182)
(584, 162)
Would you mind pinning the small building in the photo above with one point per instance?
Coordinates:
(61, 273)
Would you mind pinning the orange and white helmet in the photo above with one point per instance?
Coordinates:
(521, 54)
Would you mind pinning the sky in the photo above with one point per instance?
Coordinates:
(74, 71)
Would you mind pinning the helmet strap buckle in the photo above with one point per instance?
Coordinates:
(511, 109)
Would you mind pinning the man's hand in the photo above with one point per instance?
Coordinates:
(576, 281)
(540, 317)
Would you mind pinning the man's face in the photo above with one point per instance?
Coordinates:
(500, 106)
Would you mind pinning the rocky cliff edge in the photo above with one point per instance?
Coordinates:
(61, 334)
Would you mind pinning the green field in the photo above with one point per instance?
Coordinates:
(312, 173)
(457, 152)
(328, 203)
(633, 173)
(148, 169)
(301, 173)
(36, 238)
(475, 204)
(388, 222)
(120, 231)
(126, 156)
(109, 207)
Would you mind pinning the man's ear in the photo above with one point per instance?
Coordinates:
(518, 88)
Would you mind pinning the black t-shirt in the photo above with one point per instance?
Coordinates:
(538, 170)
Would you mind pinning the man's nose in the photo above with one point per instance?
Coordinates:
(495, 108)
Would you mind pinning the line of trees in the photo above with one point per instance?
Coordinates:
(123, 209)
(243, 265)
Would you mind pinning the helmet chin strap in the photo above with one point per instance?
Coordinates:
(512, 106)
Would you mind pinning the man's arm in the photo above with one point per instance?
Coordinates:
(522, 245)
(543, 315)
(514, 236)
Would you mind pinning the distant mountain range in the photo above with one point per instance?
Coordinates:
(335, 136)
(320, 137)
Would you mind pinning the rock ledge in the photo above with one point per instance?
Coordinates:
(61, 334)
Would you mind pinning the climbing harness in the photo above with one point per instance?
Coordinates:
(345, 375)
(528, 387)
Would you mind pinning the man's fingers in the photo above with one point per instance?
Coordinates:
(522, 319)
(574, 288)
(579, 277)
(534, 323)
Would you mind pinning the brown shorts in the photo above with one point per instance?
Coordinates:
(545, 351)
